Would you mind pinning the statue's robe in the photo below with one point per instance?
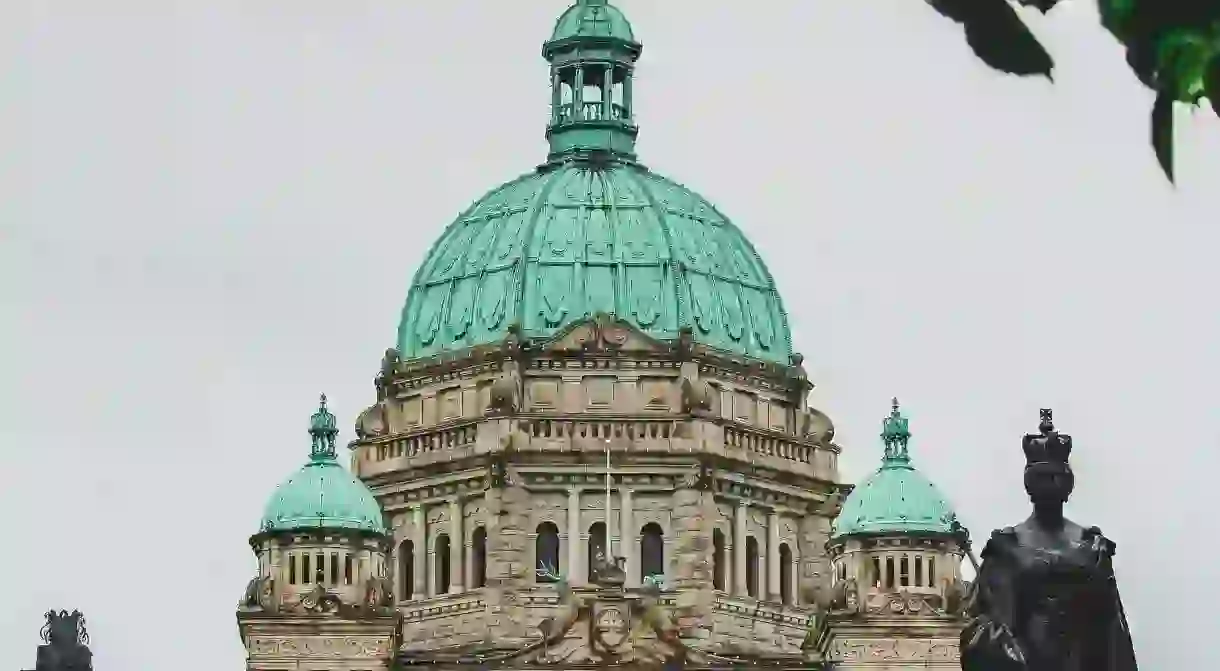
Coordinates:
(1047, 609)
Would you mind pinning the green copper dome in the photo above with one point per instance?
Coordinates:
(592, 231)
(322, 494)
(896, 498)
(593, 18)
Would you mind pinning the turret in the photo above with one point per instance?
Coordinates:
(895, 551)
(322, 580)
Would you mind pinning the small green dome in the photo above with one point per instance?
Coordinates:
(593, 18)
(322, 494)
(559, 245)
(896, 498)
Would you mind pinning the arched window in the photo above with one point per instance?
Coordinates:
(652, 551)
(441, 556)
(718, 567)
(596, 547)
(406, 569)
(546, 552)
(752, 566)
(478, 557)
(785, 573)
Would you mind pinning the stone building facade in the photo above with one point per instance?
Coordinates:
(591, 443)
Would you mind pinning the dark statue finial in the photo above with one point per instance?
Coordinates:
(1046, 597)
(66, 643)
(896, 434)
(1048, 446)
(323, 428)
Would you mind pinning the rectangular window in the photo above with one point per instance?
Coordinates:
(876, 572)
(334, 568)
(347, 569)
(319, 571)
(292, 569)
(931, 572)
(889, 572)
(904, 568)
(305, 574)
(918, 571)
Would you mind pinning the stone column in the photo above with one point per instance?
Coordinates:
(509, 570)
(693, 513)
(419, 552)
(573, 571)
(814, 571)
(456, 545)
(739, 549)
(773, 567)
(627, 536)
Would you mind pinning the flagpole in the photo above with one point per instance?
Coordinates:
(609, 554)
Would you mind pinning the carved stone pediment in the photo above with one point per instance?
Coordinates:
(603, 334)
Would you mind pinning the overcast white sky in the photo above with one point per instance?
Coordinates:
(210, 212)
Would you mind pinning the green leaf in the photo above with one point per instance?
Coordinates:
(1162, 131)
(997, 36)
(1211, 83)
(1116, 17)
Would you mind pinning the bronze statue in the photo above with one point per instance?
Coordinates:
(1046, 597)
(66, 641)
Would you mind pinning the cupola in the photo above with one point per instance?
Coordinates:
(896, 535)
(322, 538)
(592, 53)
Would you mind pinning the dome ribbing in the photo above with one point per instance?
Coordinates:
(592, 231)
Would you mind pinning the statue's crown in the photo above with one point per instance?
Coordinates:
(1047, 446)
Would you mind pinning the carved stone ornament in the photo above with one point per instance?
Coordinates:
(604, 334)
(897, 650)
(608, 629)
(955, 600)
(372, 422)
(684, 346)
(259, 595)
(379, 595)
(701, 479)
(506, 392)
(66, 641)
(902, 603)
(817, 427)
(696, 397)
(325, 647)
(318, 600)
(845, 597)
(389, 363)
